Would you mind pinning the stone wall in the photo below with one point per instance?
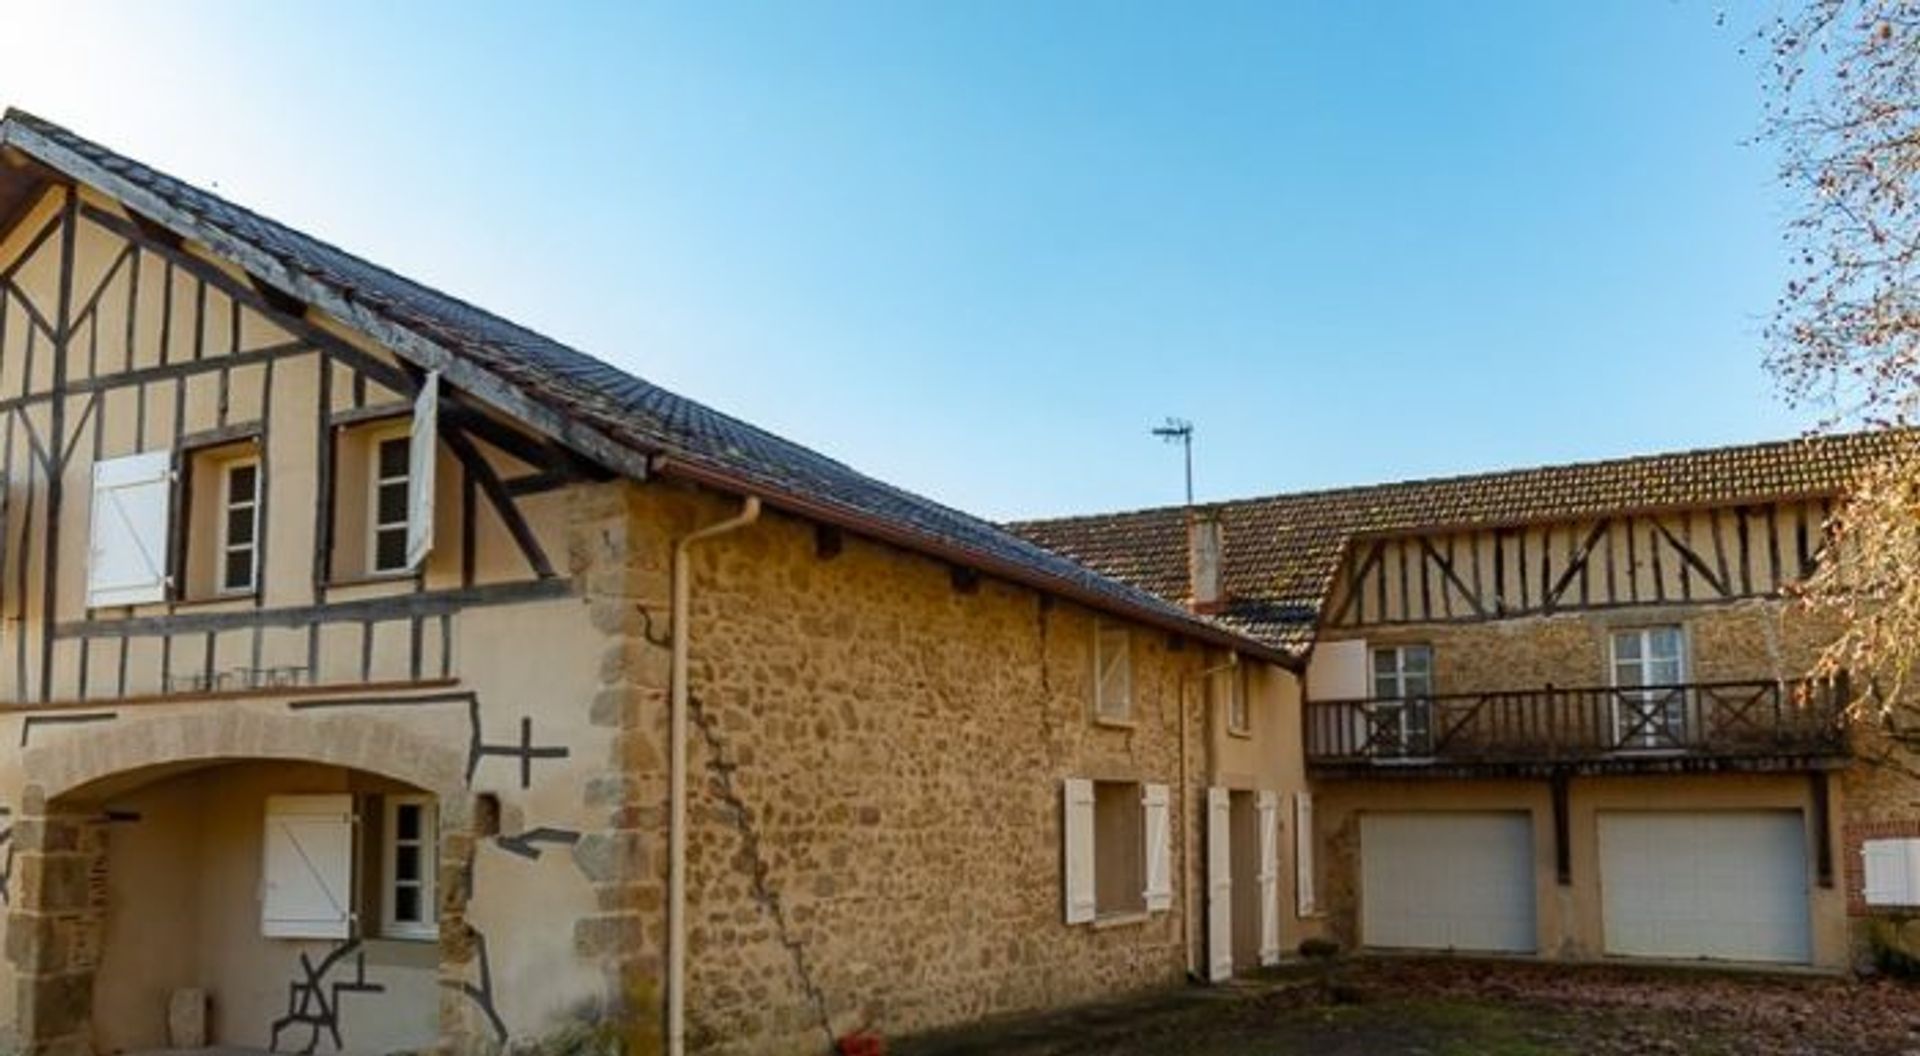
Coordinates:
(877, 760)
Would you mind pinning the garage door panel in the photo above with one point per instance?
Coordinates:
(1448, 881)
(1724, 885)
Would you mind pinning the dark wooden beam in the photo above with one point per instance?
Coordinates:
(965, 580)
(496, 492)
(1562, 829)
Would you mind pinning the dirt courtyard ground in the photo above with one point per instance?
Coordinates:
(1396, 1007)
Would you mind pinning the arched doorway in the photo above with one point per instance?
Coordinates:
(290, 878)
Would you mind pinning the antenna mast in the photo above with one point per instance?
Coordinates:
(1180, 431)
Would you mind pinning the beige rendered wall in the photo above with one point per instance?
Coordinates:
(1569, 921)
(184, 872)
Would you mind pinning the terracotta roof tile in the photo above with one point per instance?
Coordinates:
(1282, 551)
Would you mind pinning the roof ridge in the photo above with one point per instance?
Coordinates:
(1348, 490)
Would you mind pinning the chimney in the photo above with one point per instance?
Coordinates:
(1206, 550)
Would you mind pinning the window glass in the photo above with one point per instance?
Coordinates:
(240, 527)
(390, 505)
(409, 861)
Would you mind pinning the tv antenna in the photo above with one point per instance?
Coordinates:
(1180, 431)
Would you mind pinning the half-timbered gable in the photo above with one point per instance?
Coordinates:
(147, 351)
(1698, 556)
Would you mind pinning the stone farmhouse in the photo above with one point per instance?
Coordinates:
(384, 676)
(381, 675)
(1562, 712)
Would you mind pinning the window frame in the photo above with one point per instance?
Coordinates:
(378, 438)
(1412, 715)
(224, 543)
(1104, 630)
(1239, 700)
(1675, 706)
(429, 844)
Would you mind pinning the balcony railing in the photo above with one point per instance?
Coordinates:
(1603, 722)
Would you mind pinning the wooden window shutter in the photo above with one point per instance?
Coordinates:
(1113, 674)
(1159, 892)
(1077, 850)
(307, 868)
(132, 517)
(422, 446)
(1269, 803)
(1303, 852)
(1892, 872)
(1219, 885)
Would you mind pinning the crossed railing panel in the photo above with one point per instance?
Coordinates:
(1582, 722)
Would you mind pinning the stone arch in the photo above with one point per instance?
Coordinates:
(54, 927)
(359, 742)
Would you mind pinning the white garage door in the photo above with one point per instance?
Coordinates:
(1445, 881)
(1728, 885)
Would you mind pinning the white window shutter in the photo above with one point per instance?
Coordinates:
(1077, 824)
(1159, 892)
(422, 446)
(307, 868)
(1892, 872)
(1269, 803)
(1219, 886)
(131, 514)
(1303, 852)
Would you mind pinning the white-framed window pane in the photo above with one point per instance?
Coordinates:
(409, 862)
(1626, 646)
(389, 502)
(1416, 659)
(239, 565)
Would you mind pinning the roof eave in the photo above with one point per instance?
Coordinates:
(402, 341)
(839, 516)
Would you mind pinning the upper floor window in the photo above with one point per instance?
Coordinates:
(1239, 707)
(1112, 673)
(1403, 671)
(239, 548)
(1649, 672)
(388, 477)
(1401, 716)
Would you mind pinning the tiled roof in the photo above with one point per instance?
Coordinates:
(1283, 551)
(679, 434)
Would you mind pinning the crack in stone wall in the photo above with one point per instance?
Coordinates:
(741, 817)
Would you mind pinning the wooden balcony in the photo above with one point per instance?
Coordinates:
(1696, 726)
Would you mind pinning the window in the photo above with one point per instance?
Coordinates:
(240, 526)
(223, 499)
(1402, 711)
(1239, 707)
(1113, 673)
(387, 543)
(1119, 849)
(408, 845)
(1650, 699)
(325, 874)
(1892, 872)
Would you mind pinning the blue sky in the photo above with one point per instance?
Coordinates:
(979, 248)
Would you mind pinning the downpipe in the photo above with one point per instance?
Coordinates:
(677, 769)
(1189, 904)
